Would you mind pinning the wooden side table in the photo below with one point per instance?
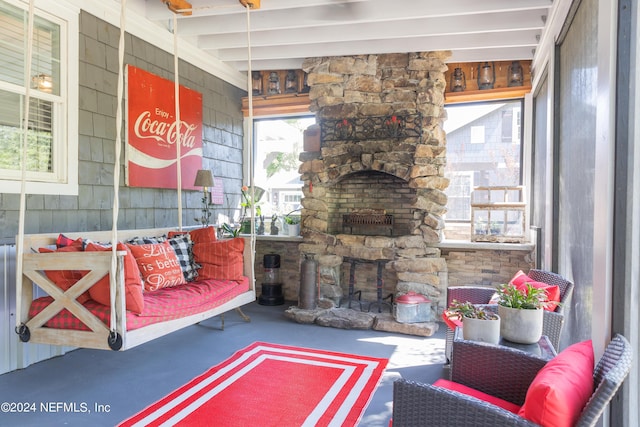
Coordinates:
(500, 368)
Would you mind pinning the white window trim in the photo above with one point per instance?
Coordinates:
(68, 16)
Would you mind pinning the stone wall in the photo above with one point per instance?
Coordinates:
(90, 210)
(485, 267)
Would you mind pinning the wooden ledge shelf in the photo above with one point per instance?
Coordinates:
(486, 95)
(277, 104)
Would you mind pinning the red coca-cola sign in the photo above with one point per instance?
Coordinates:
(153, 138)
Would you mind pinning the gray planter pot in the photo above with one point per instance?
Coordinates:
(519, 325)
(481, 330)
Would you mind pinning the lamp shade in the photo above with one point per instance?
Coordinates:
(204, 178)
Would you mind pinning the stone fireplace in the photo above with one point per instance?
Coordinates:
(382, 153)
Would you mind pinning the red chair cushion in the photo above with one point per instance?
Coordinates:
(561, 388)
(451, 321)
(460, 388)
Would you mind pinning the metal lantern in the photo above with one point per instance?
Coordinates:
(458, 80)
(256, 83)
(274, 83)
(271, 285)
(486, 76)
(515, 74)
(291, 82)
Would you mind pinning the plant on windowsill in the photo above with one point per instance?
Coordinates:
(521, 312)
(478, 322)
(293, 223)
(229, 230)
(248, 203)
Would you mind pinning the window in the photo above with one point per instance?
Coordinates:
(477, 153)
(51, 158)
(278, 146)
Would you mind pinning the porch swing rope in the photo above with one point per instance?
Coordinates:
(178, 122)
(116, 169)
(23, 160)
(250, 142)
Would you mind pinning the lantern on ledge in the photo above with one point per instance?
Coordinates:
(274, 83)
(291, 82)
(256, 83)
(458, 80)
(486, 76)
(515, 74)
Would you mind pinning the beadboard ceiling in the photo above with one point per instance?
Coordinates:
(284, 32)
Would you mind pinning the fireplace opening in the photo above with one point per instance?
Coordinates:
(370, 203)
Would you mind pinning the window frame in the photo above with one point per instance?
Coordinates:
(250, 126)
(64, 178)
(515, 119)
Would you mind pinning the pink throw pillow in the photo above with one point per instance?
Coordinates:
(562, 388)
(521, 280)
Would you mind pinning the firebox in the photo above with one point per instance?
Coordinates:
(370, 203)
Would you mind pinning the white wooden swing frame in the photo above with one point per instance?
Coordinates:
(30, 266)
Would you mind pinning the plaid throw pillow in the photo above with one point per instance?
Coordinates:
(183, 247)
(146, 240)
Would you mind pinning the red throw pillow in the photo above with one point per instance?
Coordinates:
(64, 279)
(203, 235)
(158, 265)
(561, 388)
(521, 280)
(64, 241)
(461, 388)
(100, 291)
(198, 235)
(221, 259)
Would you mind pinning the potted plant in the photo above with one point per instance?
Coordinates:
(248, 203)
(293, 223)
(521, 311)
(478, 323)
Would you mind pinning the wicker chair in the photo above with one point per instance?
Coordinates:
(416, 404)
(553, 320)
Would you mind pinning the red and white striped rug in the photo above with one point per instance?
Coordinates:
(272, 385)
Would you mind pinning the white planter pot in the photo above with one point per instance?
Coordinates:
(521, 326)
(293, 229)
(481, 330)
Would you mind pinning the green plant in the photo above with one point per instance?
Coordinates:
(248, 202)
(234, 232)
(531, 299)
(292, 219)
(459, 309)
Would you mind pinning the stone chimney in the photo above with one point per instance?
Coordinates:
(382, 158)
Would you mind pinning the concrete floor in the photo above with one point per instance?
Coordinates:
(123, 383)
